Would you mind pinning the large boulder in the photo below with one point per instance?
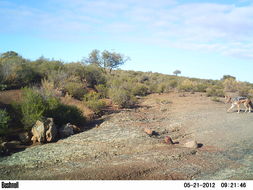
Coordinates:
(191, 144)
(51, 130)
(38, 132)
(24, 137)
(168, 140)
(44, 131)
(11, 145)
(7, 147)
(66, 130)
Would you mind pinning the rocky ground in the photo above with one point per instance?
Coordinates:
(118, 148)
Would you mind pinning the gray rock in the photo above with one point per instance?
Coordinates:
(191, 144)
(39, 132)
(168, 140)
(11, 145)
(51, 130)
(24, 137)
(44, 131)
(66, 130)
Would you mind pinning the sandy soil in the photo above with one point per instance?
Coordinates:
(116, 146)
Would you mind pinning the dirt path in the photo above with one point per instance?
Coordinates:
(119, 149)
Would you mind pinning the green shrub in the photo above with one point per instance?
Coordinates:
(36, 106)
(63, 114)
(187, 85)
(140, 90)
(250, 93)
(122, 97)
(32, 107)
(92, 101)
(172, 83)
(102, 90)
(75, 89)
(200, 87)
(230, 85)
(243, 89)
(215, 91)
(4, 119)
(94, 75)
(161, 88)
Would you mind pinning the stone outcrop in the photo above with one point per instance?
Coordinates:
(191, 144)
(44, 131)
(168, 140)
(24, 137)
(51, 130)
(66, 130)
(149, 132)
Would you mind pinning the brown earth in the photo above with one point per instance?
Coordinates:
(118, 148)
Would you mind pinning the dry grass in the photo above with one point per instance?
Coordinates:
(10, 96)
(68, 100)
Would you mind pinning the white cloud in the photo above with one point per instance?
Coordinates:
(221, 28)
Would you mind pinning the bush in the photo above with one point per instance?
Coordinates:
(201, 87)
(122, 97)
(75, 89)
(161, 88)
(102, 90)
(4, 119)
(63, 114)
(187, 85)
(230, 85)
(172, 83)
(36, 106)
(215, 91)
(140, 90)
(92, 101)
(243, 89)
(17, 72)
(32, 107)
(94, 75)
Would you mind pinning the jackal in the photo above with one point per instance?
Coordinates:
(237, 101)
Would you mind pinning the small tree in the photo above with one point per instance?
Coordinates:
(106, 60)
(176, 72)
(94, 58)
(228, 77)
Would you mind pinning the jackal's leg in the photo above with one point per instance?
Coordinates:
(246, 106)
(232, 106)
(238, 108)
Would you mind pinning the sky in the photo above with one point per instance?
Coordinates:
(202, 38)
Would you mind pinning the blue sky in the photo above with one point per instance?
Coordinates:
(204, 39)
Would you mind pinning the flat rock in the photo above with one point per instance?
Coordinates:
(168, 140)
(191, 144)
